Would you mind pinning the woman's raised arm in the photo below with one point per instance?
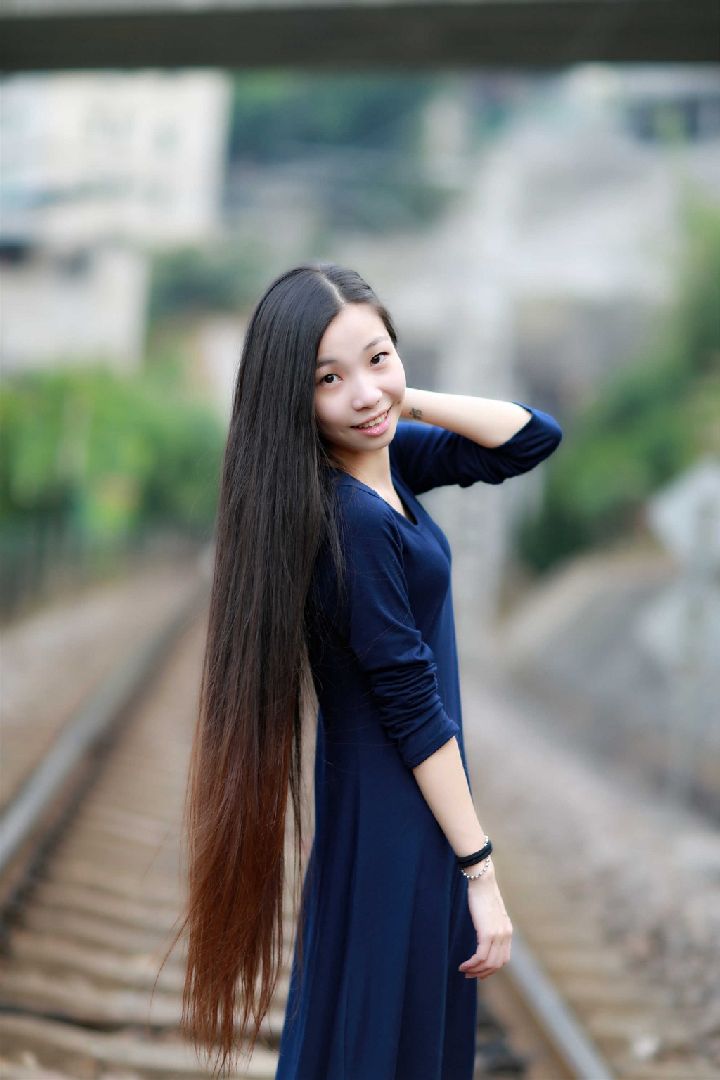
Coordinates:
(487, 421)
(459, 439)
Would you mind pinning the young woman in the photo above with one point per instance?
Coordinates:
(332, 591)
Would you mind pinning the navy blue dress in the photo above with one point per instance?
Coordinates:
(387, 921)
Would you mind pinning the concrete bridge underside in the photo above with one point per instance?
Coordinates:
(354, 34)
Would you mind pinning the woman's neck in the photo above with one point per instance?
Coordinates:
(372, 469)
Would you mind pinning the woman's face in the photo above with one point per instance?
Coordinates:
(359, 375)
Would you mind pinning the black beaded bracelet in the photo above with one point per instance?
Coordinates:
(468, 860)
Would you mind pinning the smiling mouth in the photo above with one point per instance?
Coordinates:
(373, 420)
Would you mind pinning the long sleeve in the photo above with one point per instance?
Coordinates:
(428, 456)
(382, 633)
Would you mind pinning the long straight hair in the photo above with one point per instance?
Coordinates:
(276, 511)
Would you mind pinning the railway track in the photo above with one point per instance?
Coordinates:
(91, 891)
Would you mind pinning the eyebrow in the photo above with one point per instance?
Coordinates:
(331, 360)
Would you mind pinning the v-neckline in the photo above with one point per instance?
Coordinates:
(413, 524)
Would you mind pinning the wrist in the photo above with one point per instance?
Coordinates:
(477, 882)
(414, 405)
(474, 851)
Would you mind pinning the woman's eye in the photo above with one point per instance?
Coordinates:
(331, 375)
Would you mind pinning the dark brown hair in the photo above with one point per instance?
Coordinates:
(275, 512)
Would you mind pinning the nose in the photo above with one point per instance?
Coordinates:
(366, 395)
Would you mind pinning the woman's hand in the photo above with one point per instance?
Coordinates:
(492, 925)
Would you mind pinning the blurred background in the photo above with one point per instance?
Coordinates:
(549, 235)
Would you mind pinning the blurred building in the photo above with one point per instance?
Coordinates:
(99, 170)
(659, 102)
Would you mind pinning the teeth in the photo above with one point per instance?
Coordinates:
(374, 423)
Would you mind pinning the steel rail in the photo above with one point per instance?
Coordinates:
(84, 734)
(557, 1021)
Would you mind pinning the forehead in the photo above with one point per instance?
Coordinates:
(351, 330)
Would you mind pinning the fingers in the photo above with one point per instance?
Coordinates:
(489, 958)
(493, 963)
(477, 961)
(484, 962)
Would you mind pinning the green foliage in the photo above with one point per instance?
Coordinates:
(277, 114)
(107, 452)
(649, 422)
(365, 132)
(225, 276)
